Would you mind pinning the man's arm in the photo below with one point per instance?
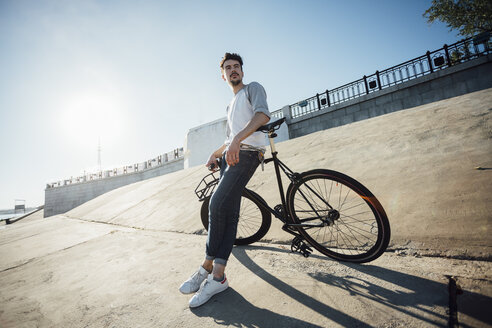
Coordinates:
(232, 155)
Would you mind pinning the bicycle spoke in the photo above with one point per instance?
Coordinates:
(354, 230)
(249, 220)
(311, 189)
(311, 202)
(361, 221)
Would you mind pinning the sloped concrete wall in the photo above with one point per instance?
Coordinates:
(420, 163)
(201, 141)
(64, 198)
(458, 80)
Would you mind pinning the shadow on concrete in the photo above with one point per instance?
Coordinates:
(409, 291)
(339, 317)
(231, 309)
(422, 293)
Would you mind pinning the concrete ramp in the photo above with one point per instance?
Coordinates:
(430, 167)
(125, 271)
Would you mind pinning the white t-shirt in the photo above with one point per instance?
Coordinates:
(251, 99)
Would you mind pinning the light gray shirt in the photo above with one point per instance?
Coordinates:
(251, 99)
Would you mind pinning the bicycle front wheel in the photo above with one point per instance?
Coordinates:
(338, 216)
(254, 220)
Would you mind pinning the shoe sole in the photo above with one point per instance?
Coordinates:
(208, 299)
(184, 293)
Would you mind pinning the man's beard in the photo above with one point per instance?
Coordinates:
(235, 82)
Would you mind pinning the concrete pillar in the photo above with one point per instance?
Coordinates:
(286, 112)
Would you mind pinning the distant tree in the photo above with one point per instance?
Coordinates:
(469, 17)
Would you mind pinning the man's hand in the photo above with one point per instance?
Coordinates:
(232, 154)
(212, 160)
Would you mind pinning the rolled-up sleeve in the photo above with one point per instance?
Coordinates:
(258, 97)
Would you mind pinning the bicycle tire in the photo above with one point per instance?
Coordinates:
(254, 220)
(362, 231)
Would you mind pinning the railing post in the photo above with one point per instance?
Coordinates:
(328, 98)
(365, 83)
(378, 79)
(447, 55)
(429, 61)
(317, 99)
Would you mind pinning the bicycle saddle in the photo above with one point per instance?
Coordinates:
(270, 127)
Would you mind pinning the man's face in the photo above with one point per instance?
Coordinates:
(232, 72)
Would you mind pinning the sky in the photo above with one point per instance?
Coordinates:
(137, 75)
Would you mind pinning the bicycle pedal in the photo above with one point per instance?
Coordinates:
(299, 246)
(305, 250)
(295, 244)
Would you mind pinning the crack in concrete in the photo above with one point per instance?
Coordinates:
(18, 265)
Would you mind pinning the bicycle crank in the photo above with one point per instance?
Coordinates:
(299, 246)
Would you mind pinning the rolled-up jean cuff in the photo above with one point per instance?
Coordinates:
(210, 258)
(221, 261)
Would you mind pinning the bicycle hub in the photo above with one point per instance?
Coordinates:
(333, 215)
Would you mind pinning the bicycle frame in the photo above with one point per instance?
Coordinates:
(279, 211)
(279, 165)
(282, 213)
(304, 206)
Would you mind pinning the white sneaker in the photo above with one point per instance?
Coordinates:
(193, 283)
(209, 288)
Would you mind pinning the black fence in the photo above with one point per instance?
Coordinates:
(432, 61)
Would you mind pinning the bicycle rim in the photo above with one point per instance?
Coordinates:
(361, 231)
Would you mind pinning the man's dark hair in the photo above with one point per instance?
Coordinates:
(233, 56)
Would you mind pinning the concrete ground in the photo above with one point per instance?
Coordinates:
(118, 260)
(86, 274)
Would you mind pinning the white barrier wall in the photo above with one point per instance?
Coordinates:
(201, 141)
(66, 197)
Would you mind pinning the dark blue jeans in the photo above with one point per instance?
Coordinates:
(224, 205)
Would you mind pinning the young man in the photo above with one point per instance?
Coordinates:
(247, 111)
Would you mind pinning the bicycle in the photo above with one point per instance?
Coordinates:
(329, 210)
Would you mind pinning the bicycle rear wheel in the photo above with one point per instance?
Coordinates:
(254, 221)
(347, 221)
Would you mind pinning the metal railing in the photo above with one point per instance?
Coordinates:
(432, 61)
(278, 114)
(160, 160)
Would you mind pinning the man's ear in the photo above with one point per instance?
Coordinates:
(223, 78)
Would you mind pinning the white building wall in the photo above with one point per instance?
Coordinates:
(201, 141)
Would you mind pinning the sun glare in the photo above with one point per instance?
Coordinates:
(89, 117)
